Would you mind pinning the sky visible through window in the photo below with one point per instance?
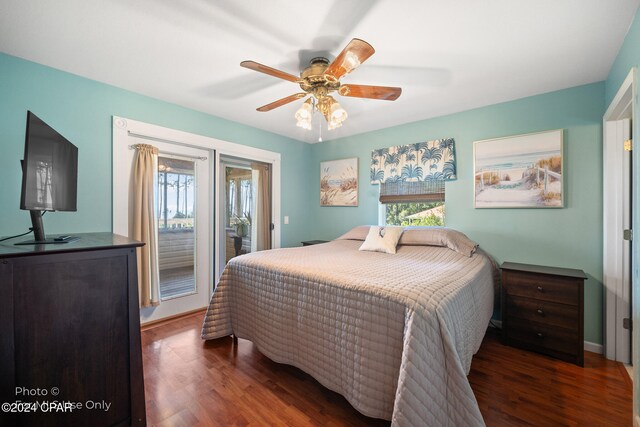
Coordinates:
(179, 191)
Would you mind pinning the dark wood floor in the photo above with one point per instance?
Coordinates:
(190, 382)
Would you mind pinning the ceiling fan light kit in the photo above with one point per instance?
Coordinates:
(305, 114)
(322, 78)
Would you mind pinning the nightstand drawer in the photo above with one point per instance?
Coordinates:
(534, 335)
(543, 287)
(544, 312)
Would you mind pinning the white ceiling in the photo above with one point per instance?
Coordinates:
(447, 56)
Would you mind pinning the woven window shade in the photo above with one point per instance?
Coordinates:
(408, 192)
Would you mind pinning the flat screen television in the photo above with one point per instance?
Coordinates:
(49, 176)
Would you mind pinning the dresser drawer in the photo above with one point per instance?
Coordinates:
(557, 289)
(534, 335)
(544, 312)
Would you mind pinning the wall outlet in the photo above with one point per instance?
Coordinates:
(286, 219)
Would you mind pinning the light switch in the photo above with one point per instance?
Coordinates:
(286, 219)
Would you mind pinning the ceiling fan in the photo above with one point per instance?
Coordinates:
(321, 78)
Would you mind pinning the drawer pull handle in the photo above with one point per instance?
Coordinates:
(540, 288)
(539, 334)
(540, 311)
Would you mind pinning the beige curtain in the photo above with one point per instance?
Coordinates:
(144, 225)
(263, 204)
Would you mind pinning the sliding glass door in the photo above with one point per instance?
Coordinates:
(245, 189)
(183, 206)
(194, 221)
(177, 215)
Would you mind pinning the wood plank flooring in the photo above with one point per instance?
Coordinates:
(191, 382)
(520, 388)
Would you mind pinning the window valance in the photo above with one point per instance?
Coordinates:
(422, 161)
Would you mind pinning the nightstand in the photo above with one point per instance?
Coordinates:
(313, 242)
(543, 310)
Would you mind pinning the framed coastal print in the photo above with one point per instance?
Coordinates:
(339, 182)
(522, 171)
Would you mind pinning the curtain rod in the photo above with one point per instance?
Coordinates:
(132, 147)
(153, 138)
(235, 161)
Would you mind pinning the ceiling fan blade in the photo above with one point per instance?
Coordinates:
(281, 102)
(354, 54)
(372, 92)
(252, 65)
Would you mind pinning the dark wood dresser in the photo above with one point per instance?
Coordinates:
(70, 333)
(543, 310)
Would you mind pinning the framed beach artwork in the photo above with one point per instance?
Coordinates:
(339, 182)
(522, 171)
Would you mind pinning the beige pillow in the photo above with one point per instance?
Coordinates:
(438, 236)
(382, 239)
(356, 233)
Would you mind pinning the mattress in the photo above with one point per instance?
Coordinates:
(394, 334)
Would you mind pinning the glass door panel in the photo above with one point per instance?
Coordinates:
(184, 212)
(245, 220)
(176, 227)
(239, 211)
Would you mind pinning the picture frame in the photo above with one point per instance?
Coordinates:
(520, 171)
(339, 182)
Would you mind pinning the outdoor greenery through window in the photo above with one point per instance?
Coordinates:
(429, 213)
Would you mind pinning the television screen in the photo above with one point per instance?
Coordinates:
(49, 169)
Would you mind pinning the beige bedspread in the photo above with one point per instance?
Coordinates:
(394, 334)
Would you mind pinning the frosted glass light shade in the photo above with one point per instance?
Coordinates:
(338, 113)
(304, 112)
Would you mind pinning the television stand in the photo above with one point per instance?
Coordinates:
(69, 320)
(51, 240)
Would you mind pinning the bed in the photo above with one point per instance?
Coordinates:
(394, 334)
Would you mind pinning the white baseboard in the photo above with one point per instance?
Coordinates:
(593, 347)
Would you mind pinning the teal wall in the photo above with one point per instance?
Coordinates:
(629, 57)
(569, 237)
(81, 110)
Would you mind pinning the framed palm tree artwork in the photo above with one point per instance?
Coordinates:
(339, 182)
(421, 161)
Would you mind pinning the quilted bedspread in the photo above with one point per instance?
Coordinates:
(393, 334)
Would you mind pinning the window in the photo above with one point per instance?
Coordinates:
(176, 193)
(414, 213)
(412, 203)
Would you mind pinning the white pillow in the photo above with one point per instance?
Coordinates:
(382, 239)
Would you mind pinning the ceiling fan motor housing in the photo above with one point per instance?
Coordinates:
(314, 79)
(321, 78)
